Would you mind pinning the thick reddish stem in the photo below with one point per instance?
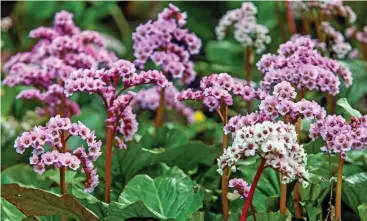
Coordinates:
(338, 196)
(281, 24)
(283, 196)
(160, 111)
(225, 205)
(250, 195)
(108, 166)
(63, 171)
(290, 19)
(297, 199)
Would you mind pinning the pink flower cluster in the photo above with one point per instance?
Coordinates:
(167, 44)
(299, 63)
(339, 135)
(53, 99)
(280, 103)
(247, 31)
(334, 41)
(149, 99)
(105, 83)
(218, 89)
(361, 36)
(55, 134)
(328, 8)
(241, 187)
(61, 50)
(274, 141)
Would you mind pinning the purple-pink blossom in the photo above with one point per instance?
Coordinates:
(111, 84)
(217, 89)
(167, 44)
(339, 135)
(299, 63)
(61, 49)
(55, 134)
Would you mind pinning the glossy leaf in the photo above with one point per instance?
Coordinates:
(175, 198)
(343, 102)
(36, 202)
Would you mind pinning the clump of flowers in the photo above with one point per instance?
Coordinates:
(327, 8)
(246, 30)
(361, 36)
(299, 63)
(167, 44)
(149, 99)
(276, 142)
(62, 49)
(56, 134)
(339, 135)
(334, 41)
(105, 83)
(218, 89)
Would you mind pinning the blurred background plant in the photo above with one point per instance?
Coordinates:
(176, 153)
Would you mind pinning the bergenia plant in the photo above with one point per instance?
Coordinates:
(299, 63)
(49, 145)
(252, 36)
(280, 104)
(62, 49)
(216, 92)
(275, 143)
(340, 137)
(112, 85)
(169, 46)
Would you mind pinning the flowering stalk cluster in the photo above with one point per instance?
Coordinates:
(246, 30)
(105, 83)
(339, 135)
(218, 89)
(55, 134)
(274, 141)
(326, 8)
(299, 63)
(61, 50)
(334, 42)
(167, 44)
(149, 99)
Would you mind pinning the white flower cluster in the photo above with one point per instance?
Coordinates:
(247, 31)
(275, 142)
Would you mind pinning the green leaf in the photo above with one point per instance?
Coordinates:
(313, 213)
(7, 99)
(186, 157)
(162, 170)
(36, 202)
(354, 190)
(358, 89)
(198, 216)
(313, 147)
(118, 211)
(264, 216)
(24, 175)
(9, 212)
(176, 198)
(93, 204)
(343, 102)
(362, 210)
(70, 176)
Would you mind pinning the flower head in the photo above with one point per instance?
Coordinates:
(54, 134)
